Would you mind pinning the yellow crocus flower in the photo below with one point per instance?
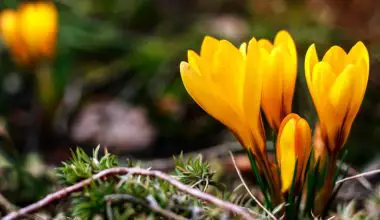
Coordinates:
(279, 68)
(38, 27)
(11, 37)
(337, 85)
(293, 144)
(226, 82)
(30, 31)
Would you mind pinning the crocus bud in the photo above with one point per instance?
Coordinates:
(293, 147)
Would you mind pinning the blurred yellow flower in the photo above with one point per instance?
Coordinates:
(337, 85)
(11, 36)
(226, 82)
(30, 31)
(279, 69)
(293, 145)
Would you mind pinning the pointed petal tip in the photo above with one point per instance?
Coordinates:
(360, 52)
(283, 36)
(183, 66)
(208, 37)
(243, 48)
(183, 63)
(284, 32)
(209, 40)
(190, 53)
(253, 39)
(292, 115)
(362, 46)
(224, 41)
(360, 43)
(303, 124)
(252, 44)
(193, 58)
(311, 54)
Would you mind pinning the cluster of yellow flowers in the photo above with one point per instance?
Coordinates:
(234, 84)
(30, 32)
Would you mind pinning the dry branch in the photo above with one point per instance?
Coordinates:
(56, 196)
(369, 173)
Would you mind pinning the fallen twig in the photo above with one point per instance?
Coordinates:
(151, 205)
(369, 173)
(248, 190)
(56, 196)
(352, 172)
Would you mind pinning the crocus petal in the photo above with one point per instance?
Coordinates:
(265, 44)
(209, 47)
(336, 109)
(252, 93)
(322, 79)
(28, 27)
(11, 37)
(279, 69)
(8, 28)
(204, 94)
(286, 143)
(228, 87)
(359, 86)
(243, 49)
(228, 72)
(359, 52)
(339, 94)
(303, 145)
(293, 144)
(337, 58)
(289, 117)
(38, 27)
(194, 61)
(272, 86)
(289, 82)
(284, 38)
(49, 22)
(311, 58)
